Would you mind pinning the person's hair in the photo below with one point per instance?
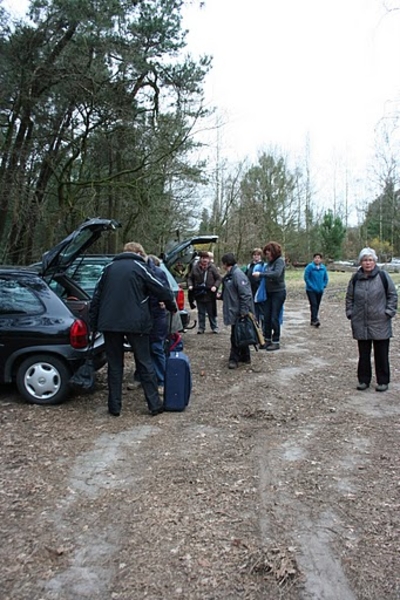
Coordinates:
(228, 259)
(257, 251)
(317, 254)
(204, 254)
(155, 259)
(134, 247)
(367, 252)
(274, 248)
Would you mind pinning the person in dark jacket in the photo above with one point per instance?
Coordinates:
(316, 278)
(159, 331)
(274, 274)
(238, 301)
(120, 308)
(371, 304)
(203, 283)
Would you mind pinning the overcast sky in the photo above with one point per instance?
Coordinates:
(286, 71)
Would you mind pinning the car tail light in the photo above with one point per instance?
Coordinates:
(180, 298)
(79, 334)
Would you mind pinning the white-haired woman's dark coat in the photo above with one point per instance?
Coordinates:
(370, 306)
(237, 295)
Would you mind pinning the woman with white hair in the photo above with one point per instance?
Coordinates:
(371, 303)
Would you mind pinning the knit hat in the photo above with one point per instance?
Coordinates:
(367, 252)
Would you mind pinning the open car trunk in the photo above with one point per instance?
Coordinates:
(77, 300)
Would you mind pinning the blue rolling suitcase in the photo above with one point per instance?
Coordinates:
(177, 382)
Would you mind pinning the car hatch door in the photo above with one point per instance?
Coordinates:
(63, 254)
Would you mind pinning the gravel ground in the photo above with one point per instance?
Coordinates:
(280, 481)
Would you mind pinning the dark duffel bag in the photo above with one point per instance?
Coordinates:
(245, 333)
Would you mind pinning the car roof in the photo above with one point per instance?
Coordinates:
(107, 258)
(17, 271)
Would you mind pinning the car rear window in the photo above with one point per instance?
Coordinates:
(86, 275)
(16, 298)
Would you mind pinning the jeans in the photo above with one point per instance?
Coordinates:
(158, 357)
(272, 310)
(314, 299)
(381, 360)
(258, 312)
(140, 344)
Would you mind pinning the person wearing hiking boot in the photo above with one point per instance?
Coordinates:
(371, 304)
(274, 273)
(316, 278)
(120, 309)
(203, 283)
(237, 302)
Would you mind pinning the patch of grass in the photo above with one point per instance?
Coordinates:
(295, 279)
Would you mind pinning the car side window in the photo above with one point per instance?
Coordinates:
(18, 299)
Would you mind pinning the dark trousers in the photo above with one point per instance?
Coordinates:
(258, 312)
(272, 310)
(238, 354)
(140, 344)
(381, 360)
(207, 308)
(314, 299)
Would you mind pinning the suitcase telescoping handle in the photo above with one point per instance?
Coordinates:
(173, 339)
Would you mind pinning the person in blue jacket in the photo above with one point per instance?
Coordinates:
(316, 278)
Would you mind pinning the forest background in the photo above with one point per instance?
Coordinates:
(100, 109)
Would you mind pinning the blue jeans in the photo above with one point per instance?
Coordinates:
(272, 311)
(258, 311)
(158, 358)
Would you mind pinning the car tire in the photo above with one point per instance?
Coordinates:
(43, 379)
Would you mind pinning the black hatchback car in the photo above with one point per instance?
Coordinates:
(44, 333)
(87, 269)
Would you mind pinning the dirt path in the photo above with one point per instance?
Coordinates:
(280, 481)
